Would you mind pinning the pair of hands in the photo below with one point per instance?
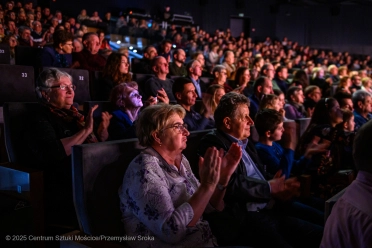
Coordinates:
(89, 120)
(284, 189)
(216, 168)
(161, 97)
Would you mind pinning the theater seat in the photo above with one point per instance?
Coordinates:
(4, 54)
(17, 84)
(98, 172)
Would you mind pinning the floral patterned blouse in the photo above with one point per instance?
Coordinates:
(153, 199)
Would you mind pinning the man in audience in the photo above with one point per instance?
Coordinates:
(165, 50)
(262, 86)
(89, 59)
(251, 216)
(185, 94)
(159, 81)
(362, 108)
(177, 68)
(194, 71)
(350, 222)
(229, 60)
(145, 65)
(312, 95)
(37, 34)
(344, 100)
(25, 37)
(280, 79)
(356, 83)
(268, 71)
(333, 74)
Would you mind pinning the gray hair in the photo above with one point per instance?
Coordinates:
(48, 76)
(218, 68)
(359, 95)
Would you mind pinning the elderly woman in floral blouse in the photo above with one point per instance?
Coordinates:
(160, 196)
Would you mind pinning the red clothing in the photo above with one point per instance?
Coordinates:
(227, 87)
(88, 61)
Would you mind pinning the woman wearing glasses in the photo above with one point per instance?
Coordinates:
(52, 129)
(126, 103)
(160, 197)
(60, 54)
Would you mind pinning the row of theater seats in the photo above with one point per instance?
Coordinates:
(97, 170)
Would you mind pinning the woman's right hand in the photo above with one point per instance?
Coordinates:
(162, 96)
(89, 119)
(209, 168)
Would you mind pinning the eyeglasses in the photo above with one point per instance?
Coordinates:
(135, 95)
(64, 87)
(181, 128)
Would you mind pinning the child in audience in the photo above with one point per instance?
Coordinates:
(269, 125)
(272, 101)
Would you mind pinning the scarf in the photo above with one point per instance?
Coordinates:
(72, 115)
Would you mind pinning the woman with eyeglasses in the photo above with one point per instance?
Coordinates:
(52, 128)
(116, 71)
(127, 103)
(220, 77)
(60, 54)
(160, 196)
(12, 41)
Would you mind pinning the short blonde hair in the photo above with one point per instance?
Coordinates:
(268, 101)
(365, 80)
(154, 118)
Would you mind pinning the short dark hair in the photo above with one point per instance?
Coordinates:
(259, 82)
(61, 36)
(280, 68)
(179, 84)
(228, 105)
(291, 91)
(267, 120)
(361, 149)
(339, 96)
(86, 36)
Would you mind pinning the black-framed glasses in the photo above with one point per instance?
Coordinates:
(178, 126)
(64, 87)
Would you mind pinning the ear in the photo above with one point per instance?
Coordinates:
(216, 74)
(227, 123)
(345, 125)
(360, 104)
(178, 95)
(259, 88)
(155, 135)
(267, 134)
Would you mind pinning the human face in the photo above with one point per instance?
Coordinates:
(277, 105)
(347, 103)
(92, 44)
(201, 59)
(221, 76)
(62, 99)
(162, 66)
(246, 76)
(357, 81)
(67, 47)
(298, 97)
(167, 47)
(350, 124)
(270, 72)
(281, 100)
(267, 88)
(197, 69)
(240, 126)
(218, 95)
(151, 54)
(188, 95)
(316, 95)
(124, 65)
(172, 138)
(132, 98)
(284, 74)
(26, 35)
(181, 56)
(366, 106)
(278, 132)
(1, 29)
(335, 113)
(12, 42)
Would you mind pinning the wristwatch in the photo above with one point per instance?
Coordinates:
(221, 187)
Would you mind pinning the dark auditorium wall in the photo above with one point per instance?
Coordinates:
(312, 25)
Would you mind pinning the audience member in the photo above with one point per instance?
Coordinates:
(60, 54)
(362, 108)
(344, 100)
(172, 217)
(177, 67)
(220, 77)
(194, 72)
(145, 65)
(185, 94)
(294, 109)
(280, 78)
(312, 95)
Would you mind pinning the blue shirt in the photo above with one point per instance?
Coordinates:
(360, 120)
(197, 86)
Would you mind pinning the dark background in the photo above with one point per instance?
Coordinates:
(334, 24)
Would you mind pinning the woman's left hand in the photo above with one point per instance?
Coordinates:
(229, 163)
(106, 117)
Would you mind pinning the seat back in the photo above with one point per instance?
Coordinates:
(290, 135)
(15, 114)
(102, 106)
(29, 56)
(302, 125)
(98, 172)
(4, 54)
(17, 84)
